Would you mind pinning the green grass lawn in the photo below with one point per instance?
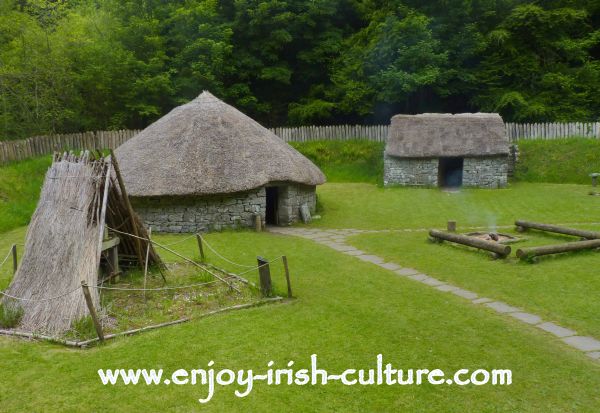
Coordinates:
(347, 312)
(562, 288)
(558, 160)
(365, 206)
(346, 161)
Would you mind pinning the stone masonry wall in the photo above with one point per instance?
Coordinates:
(213, 213)
(481, 172)
(291, 198)
(201, 214)
(485, 172)
(410, 171)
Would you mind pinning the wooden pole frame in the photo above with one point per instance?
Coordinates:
(138, 244)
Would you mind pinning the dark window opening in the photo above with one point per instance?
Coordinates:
(450, 172)
(272, 202)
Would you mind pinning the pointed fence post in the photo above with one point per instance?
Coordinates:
(287, 276)
(264, 273)
(90, 305)
(14, 257)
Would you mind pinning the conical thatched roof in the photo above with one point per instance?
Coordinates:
(208, 147)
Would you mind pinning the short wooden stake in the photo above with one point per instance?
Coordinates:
(14, 256)
(451, 226)
(200, 247)
(90, 305)
(264, 273)
(257, 222)
(287, 275)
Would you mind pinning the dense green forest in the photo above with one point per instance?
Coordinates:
(72, 65)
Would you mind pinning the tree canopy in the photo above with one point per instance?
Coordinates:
(73, 65)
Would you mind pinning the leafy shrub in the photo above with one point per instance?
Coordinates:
(82, 328)
(10, 315)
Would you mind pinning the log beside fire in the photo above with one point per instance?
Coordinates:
(499, 250)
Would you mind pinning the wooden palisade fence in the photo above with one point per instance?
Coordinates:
(41, 145)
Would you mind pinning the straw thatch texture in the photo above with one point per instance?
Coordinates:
(61, 246)
(208, 147)
(432, 135)
(63, 243)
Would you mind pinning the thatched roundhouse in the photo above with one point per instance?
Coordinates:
(205, 165)
(431, 149)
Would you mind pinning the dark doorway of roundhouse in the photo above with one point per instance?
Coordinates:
(450, 172)
(272, 202)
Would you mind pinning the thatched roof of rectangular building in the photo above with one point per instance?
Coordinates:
(433, 135)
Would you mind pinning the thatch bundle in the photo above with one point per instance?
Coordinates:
(63, 243)
(61, 246)
(208, 147)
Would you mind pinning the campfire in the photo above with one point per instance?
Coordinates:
(493, 236)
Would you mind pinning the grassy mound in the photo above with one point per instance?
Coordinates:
(346, 161)
(20, 184)
(558, 161)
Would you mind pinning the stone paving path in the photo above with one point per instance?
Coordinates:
(336, 239)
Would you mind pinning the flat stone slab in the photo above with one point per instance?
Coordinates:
(482, 300)
(339, 247)
(418, 277)
(432, 281)
(370, 258)
(527, 317)
(502, 307)
(354, 252)
(447, 287)
(314, 236)
(406, 271)
(470, 295)
(557, 330)
(583, 343)
(390, 266)
(594, 354)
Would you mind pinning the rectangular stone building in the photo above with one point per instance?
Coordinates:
(445, 150)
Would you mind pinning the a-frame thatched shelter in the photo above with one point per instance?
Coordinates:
(80, 196)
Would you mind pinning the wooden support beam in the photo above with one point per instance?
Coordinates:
(90, 305)
(524, 225)
(110, 243)
(500, 250)
(264, 273)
